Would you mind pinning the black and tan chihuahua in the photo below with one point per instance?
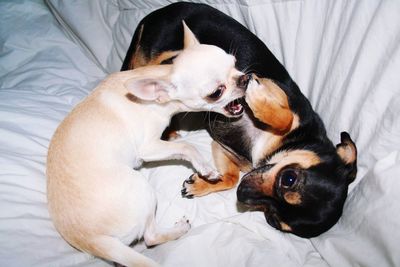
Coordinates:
(293, 171)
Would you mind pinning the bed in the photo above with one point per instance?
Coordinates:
(345, 56)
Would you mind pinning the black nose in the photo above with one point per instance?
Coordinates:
(243, 81)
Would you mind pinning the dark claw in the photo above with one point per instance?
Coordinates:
(186, 194)
(189, 181)
(204, 177)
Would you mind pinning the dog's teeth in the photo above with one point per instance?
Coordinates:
(234, 107)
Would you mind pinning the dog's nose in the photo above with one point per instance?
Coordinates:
(243, 81)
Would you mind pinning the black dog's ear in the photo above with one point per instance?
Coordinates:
(347, 151)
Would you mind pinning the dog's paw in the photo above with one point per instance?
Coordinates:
(174, 135)
(195, 186)
(256, 98)
(137, 163)
(183, 225)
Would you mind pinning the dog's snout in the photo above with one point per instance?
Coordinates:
(243, 81)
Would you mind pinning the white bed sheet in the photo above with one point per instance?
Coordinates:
(344, 56)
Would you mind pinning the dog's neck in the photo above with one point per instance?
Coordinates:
(166, 110)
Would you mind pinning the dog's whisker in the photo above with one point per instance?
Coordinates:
(248, 69)
(184, 115)
(231, 48)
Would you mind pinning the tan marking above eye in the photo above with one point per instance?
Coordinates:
(293, 198)
(304, 158)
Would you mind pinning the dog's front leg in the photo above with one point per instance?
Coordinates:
(163, 150)
(194, 186)
(270, 105)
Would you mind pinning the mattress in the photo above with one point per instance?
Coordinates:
(345, 57)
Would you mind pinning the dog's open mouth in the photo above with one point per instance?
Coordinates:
(234, 108)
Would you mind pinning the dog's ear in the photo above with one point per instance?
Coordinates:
(150, 89)
(189, 39)
(347, 151)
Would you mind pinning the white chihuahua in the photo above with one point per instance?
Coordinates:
(97, 200)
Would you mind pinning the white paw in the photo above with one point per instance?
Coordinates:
(213, 176)
(183, 225)
(174, 135)
(209, 173)
(137, 163)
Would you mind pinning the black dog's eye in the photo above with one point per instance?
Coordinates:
(288, 178)
(217, 93)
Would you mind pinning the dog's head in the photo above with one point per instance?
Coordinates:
(302, 190)
(201, 77)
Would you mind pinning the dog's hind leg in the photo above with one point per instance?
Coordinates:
(111, 248)
(155, 235)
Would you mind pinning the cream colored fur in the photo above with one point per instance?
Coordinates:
(97, 200)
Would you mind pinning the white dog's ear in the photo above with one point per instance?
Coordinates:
(150, 89)
(189, 39)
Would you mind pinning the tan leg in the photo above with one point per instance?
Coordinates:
(196, 186)
(270, 105)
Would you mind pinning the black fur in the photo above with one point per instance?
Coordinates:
(325, 185)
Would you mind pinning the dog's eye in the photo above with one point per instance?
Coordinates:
(217, 93)
(288, 178)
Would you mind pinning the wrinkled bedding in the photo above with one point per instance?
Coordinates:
(345, 56)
